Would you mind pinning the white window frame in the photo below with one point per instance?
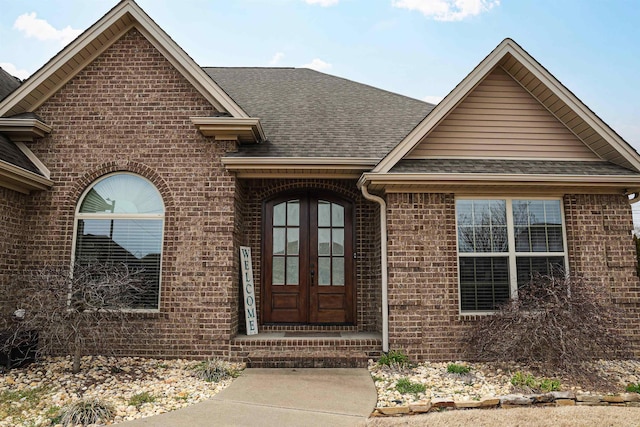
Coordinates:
(161, 216)
(511, 252)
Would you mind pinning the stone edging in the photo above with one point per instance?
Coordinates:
(555, 398)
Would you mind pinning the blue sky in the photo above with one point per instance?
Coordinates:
(419, 48)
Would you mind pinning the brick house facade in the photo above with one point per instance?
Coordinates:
(353, 215)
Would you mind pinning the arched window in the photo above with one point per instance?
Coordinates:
(120, 220)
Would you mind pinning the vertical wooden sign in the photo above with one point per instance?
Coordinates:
(248, 289)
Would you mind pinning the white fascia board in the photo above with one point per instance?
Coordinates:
(30, 180)
(242, 123)
(36, 161)
(482, 178)
(26, 124)
(298, 162)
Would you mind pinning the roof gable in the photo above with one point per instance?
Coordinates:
(500, 119)
(545, 88)
(95, 40)
(306, 113)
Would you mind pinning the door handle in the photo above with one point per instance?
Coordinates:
(313, 273)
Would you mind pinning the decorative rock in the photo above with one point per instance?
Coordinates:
(420, 408)
(489, 402)
(613, 399)
(563, 395)
(467, 404)
(107, 379)
(588, 398)
(514, 399)
(631, 397)
(443, 403)
(565, 402)
(394, 410)
(592, 403)
(542, 398)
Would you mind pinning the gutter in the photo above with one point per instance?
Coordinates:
(383, 262)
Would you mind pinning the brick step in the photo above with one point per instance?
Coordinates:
(307, 349)
(306, 359)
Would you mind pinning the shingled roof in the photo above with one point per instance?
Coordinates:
(8, 83)
(306, 113)
(500, 166)
(9, 152)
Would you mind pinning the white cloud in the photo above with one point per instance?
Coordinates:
(276, 58)
(432, 99)
(447, 10)
(323, 3)
(42, 30)
(318, 65)
(13, 70)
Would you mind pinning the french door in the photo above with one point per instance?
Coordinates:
(308, 273)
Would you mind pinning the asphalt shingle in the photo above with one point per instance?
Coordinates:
(8, 83)
(306, 113)
(10, 153)
(525, 167)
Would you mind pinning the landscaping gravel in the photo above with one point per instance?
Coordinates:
(485, 380)
(34, 395)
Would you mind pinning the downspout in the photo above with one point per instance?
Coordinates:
(383, 263)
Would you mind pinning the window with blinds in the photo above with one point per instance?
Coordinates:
(502, 244)
(120, 220)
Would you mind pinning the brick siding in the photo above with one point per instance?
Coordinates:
(129, 110)
(424, 319)
(12, 211)
(602, 251)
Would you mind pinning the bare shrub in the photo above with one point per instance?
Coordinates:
(78, 313)
(556, 322)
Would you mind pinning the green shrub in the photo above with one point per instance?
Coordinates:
(140, 399)
(92, 411)
(454, 368)
(530, 383)
(215, 370)
(633, 388)
(394, 359)
(406, 386)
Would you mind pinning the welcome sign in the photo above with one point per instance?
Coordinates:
(251, 316)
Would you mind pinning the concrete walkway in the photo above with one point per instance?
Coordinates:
(280, 397)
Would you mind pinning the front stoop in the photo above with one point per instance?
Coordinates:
(316, 350)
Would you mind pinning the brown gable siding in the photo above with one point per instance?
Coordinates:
(500, 119)
(129, 111)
